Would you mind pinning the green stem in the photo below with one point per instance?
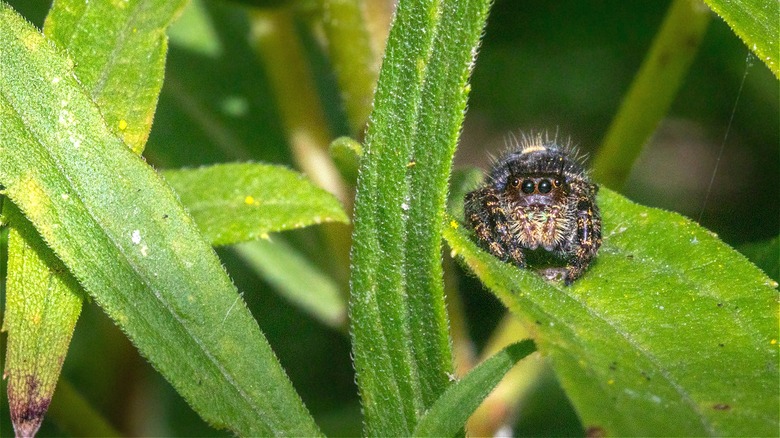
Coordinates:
(353, 57)
(507, 398)
(462, 345)
(74, 415)
(275, 38)
(652, 91)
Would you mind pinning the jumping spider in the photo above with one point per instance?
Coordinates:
(538, 199)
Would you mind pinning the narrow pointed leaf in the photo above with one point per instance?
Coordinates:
(123, 70)
(398, 321)
(450, 412)
(120, 230)
(671, 332)
(756, 23)
(43, 303)
(238, 202)
(118, 49)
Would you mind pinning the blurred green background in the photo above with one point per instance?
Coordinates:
(554, 66)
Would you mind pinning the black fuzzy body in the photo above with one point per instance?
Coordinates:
(538, 198)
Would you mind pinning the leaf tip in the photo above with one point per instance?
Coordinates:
(27, 406)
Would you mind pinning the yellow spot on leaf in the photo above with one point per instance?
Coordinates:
(611, 382)
(453, 225)
(773, 341)
(122, 125)
(249, 200)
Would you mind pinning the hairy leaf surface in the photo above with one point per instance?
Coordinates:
(121, 231)
(398, 322)
(670, 332)
(237, 202)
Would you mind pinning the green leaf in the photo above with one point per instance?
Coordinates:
(447, 416)
(398, 321)
(238, 202)
(297, 279)
(124, 76)
(671, 332)
(756, 23)
(118, 50)
(120, 230)
(652, 91)
(43, 302)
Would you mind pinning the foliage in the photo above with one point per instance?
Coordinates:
(639, 344)
(670, 331)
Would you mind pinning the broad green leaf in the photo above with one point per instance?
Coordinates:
(756, 23)
(652, 91)
(123, 74)
(671, 332)
(118, 49)
(238, 202)
(448, 414)
(43, 302)
(297, 279)
(398, 321)
(120, 230)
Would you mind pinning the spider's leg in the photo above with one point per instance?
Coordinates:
(486, 216)
(588, 240)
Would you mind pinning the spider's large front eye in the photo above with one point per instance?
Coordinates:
(528, 186)
(545, 186)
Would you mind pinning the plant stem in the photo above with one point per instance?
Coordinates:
(275, 38)
(504, 403)
(74, 415)
(652, 91)
(353, 56)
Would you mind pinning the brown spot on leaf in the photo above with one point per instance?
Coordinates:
(595, 432)
(721, 407)
(27, 406)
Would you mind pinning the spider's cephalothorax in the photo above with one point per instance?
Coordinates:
(538, 197)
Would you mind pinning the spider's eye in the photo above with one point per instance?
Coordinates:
(528, 186)
(557, 182)
(514, 182)
(545, 186)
